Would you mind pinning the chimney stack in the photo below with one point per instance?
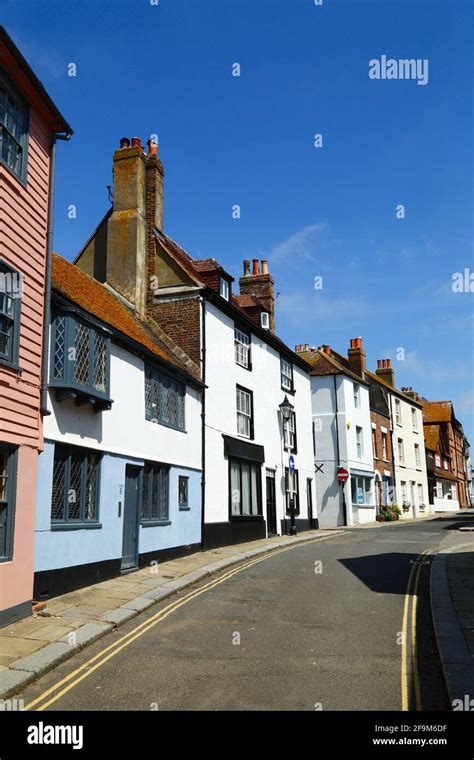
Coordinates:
(356, 356)
(413, 395)
(301, 348)
(325, 348)
(261, 285)
(154, 187)
(385, 371)
(125, 266)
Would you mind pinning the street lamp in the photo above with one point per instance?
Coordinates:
(286, 409)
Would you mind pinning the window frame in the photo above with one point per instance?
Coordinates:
(224, 288)
(291, 432)
(157, 375)
(183, 506)
(250, 416)
(401, 452)
(265, 320)
(66, 523)
(414, 419)
(257, 466)
(356, 395)
(384, 447)
(11, 359)
(68, 380)
(290, 388)
(151, 520)
(246, 334)
(360, 442)
(14, 93)
(398, 411)
(417, 455)
(11, 453)
(296, 481)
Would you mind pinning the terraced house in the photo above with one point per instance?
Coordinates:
(30, 124)
(256, 403)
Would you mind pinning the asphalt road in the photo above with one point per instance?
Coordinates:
(326, 625)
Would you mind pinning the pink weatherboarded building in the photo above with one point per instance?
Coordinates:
(29, 126)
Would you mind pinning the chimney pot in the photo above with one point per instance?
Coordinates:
(246, 267)
(136, 142)
(124, 142)
(255, 269)
(264, 266)
(152, 148)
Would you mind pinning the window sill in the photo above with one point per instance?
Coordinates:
(76, 526)
(184, 509)
(290, 392)
(13, 366)
(82, 396)
(154, 523)
(166, 425)
(6, 559)
(246, 518)
(248, 369)
(12, 176)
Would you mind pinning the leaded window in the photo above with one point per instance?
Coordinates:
(155, 492)
(13, 128)
(75, 492)
(164, 399)
(80, 356)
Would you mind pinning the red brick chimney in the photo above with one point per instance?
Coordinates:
(356, 356)
(385, 371)
(260, 284)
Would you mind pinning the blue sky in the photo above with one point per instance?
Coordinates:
(248, 140)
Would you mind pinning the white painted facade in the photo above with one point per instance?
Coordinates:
(223, 375)
(411, 481)
(343, 438)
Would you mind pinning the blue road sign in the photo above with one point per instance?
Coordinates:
(291, 462)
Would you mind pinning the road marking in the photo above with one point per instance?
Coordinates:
(414, 663)
(86, 670)
(410, 596)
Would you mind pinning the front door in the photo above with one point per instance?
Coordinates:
(271, 504)
(130, 518)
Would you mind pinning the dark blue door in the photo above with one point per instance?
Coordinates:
(130, 517)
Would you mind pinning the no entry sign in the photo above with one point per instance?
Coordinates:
(342, 474)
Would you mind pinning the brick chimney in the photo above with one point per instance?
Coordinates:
(259, 283)
(356, 356)
(301, 348)
(413, 395)
(126, 254)
(385, 371)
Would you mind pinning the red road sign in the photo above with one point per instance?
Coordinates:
(342, 474)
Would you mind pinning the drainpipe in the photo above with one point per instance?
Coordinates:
(203, 420)
(47, 286)
(343, 485)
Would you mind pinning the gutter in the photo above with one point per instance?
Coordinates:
(47, 284)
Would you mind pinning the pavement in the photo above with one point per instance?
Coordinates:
(452, 603)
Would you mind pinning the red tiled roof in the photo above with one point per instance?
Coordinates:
(431, 433)
(97, 300)
(437, 411)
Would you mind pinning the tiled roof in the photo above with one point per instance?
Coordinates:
(327, 364)
(431, 433)
(97, 300)
(247, 301)
(437, 411)
(391, 388)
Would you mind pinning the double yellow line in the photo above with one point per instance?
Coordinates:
(409, 621)
(59, 689)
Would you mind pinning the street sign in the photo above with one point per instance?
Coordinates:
(291, 462)
(342, 474)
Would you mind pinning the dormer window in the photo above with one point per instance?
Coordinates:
(265, 320)
(80, 360)
(224, 288)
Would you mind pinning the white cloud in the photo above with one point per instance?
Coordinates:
(300, 245)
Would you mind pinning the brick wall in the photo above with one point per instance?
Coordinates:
(180, 318)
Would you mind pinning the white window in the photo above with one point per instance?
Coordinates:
(224, 288)
(437, 460)
(404, 490)
(414, 419)
(420, 494)
(398, 412)
(286, 375)
(401, 451)
(384, 446)
(417, 455)
(360, 442)
(289, 432)
(244, 413)
(242, 348)
(357, 396)
(445, 464)
(265, 319)
(374, 442)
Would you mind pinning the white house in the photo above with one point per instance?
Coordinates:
(342, 435)
(408, 444)
(119, 482)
